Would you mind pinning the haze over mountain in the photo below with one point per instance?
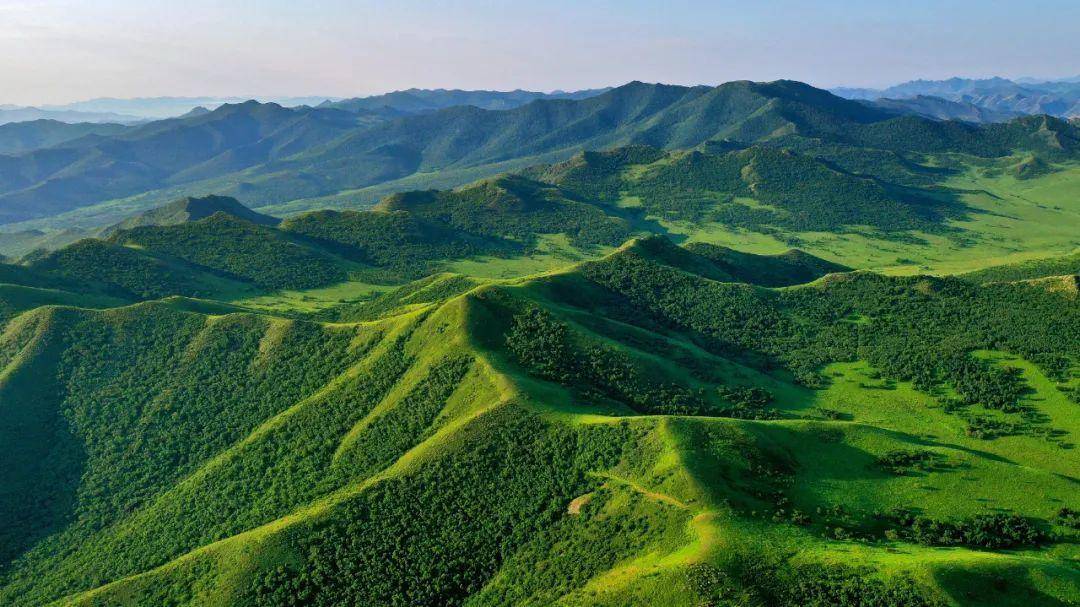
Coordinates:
(15, 114)
(144, 109)
(413, 101)
(19, 137)
(157, 108)
(1054, 97)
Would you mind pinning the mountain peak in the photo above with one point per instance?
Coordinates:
(193, 208)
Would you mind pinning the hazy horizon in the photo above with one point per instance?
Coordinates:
(234, 98)
(54, 52)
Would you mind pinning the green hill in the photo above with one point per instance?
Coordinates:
(98, 265)
(633, 430)
(787, 189)
(240, 250)
(52, 180)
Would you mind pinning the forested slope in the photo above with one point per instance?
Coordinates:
(655, 427)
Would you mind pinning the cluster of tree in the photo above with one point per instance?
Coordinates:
(1067, 517)
(750, 579)
(977, 381)
(747, 402)
(987, 428)
(906, 461)
(992, 531)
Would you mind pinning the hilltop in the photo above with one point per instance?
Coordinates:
(190, 209)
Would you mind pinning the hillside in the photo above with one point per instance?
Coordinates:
(21, 137)
(944, 109)
(633, 430)
(190, 209)
(231, 138)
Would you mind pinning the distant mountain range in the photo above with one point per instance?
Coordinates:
(11, 113)
(143, 109)
(414, 101)
(350, 154)
(999, 95)
(129, 111)
(19, 137)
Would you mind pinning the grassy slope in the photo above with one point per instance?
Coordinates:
(681, 490)
(1015, 220)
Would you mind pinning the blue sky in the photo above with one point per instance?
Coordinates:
(54, 51)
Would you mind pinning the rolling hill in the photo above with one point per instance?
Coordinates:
(637, 429)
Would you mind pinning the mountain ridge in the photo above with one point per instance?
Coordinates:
(271, 155)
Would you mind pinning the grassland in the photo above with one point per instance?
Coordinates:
(1012, 220)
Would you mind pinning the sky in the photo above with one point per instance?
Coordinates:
(58, 51)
